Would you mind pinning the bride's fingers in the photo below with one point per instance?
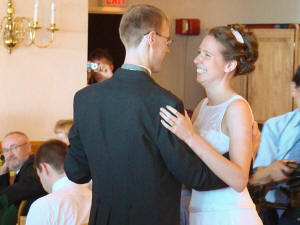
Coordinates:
(186, 114)
(173, 110)
(168, 114)
(167, 119)
(166, 125)
(163, 114)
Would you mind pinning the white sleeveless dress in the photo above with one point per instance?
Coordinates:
(223, 206)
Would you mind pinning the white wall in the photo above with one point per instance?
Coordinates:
(37, 85)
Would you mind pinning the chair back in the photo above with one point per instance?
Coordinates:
(20, 219)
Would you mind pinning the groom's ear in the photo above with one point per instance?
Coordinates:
(150, 38)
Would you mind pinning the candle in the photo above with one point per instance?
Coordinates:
(36, 7)
(52, 13)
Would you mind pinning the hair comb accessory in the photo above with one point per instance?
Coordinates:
(237, 35)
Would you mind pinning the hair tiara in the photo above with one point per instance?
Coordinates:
(237, 35)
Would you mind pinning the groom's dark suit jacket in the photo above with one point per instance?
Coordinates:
(137, 166)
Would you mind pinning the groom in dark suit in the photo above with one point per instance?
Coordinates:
(136, 165)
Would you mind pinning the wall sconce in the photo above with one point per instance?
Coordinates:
(22, 30)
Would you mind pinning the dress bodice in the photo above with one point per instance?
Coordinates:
(208, 124)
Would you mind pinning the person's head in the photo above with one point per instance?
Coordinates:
(100, 56)
(146, 29)
(49, 162)
(16, 150)
(62, 128)
(226, 52)
(295, 88)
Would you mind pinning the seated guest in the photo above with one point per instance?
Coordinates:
(61, 130)
(280, 143)
(26, 185)
(67, 202)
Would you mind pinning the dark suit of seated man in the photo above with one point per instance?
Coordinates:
(26, 185)
(117, 139)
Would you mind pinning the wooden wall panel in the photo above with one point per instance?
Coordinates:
(239, 85)
(35, 145)
(269, 84)
(297, 53)
(297, 48)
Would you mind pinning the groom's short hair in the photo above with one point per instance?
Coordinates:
(138, 21)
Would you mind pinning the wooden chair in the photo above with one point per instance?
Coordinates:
(21, 220)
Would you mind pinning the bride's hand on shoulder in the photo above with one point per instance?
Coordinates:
(179, 124)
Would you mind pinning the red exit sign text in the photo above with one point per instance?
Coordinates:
(115, 2)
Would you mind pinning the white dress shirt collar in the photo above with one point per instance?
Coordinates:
(137, 68)
(62, 182)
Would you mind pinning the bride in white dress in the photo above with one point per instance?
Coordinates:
(221, 122)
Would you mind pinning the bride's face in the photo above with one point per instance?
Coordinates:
(209, 61)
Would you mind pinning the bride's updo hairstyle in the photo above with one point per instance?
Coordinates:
(239, 45)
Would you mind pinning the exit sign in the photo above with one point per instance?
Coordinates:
(113, 3)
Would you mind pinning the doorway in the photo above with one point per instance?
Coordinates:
(103, 32)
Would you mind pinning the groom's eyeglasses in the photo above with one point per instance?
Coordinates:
(169, 40)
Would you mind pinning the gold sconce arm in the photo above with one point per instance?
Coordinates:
(2, 21)
(35, 28)
(22, 30)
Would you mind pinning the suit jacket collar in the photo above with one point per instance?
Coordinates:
(132, 75)
(27, 163)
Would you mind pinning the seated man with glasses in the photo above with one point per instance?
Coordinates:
(26, 185)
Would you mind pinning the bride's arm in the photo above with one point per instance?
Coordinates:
(238, 122)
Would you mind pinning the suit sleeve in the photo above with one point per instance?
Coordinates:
(76, 163)
(184, 164)
(4, 181)
(27, 188)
